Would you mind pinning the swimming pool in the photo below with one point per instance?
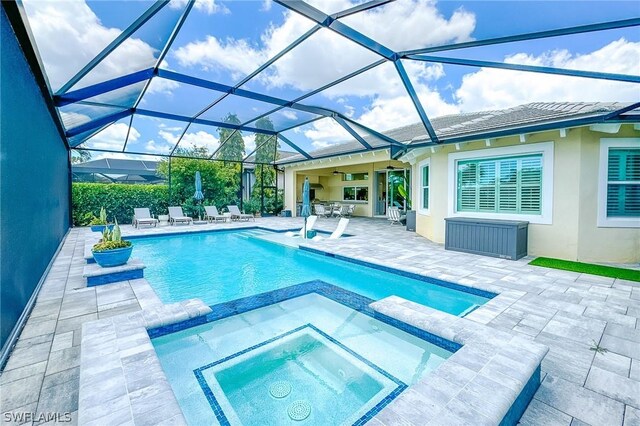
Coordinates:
(307, 360)
(221, 266)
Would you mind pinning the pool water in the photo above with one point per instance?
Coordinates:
(222, 266)
(304, 361)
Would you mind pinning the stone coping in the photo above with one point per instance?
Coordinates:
(479, 384)
(95, 270)
(121, 378)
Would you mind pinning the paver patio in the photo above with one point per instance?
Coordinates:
(566, 311)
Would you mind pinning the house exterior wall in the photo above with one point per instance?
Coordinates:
(572, 233)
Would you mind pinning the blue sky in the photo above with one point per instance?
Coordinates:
(224, 41)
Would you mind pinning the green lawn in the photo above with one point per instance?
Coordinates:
(587, 268)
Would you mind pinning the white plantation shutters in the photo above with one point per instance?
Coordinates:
(623, 183)
(500, 185)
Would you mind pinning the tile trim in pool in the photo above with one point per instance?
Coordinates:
(348, 298)
(453, 286)
(222, 418)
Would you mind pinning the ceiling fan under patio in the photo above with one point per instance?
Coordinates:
(336, 172)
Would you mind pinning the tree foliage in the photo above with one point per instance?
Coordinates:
(266, 153)
(220, 181)
(233, 144)
(80, 156)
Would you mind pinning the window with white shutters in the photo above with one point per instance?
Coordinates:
(500, 185)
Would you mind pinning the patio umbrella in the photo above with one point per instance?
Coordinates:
(198, 195)
(306, 204)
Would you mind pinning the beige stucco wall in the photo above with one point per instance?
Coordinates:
(573, 233)
(321, 171)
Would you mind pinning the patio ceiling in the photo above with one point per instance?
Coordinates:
(141, 89)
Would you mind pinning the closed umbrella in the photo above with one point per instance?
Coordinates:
(198, 195)
(306, 204)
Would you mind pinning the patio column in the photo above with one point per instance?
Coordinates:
(290, 190)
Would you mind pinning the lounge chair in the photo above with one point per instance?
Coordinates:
(311, 221)
(142, 216)
(177, 216)
(393, 215)
(237, 215)
(211, 214)
(342, 226)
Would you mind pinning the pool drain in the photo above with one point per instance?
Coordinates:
(280, 389)
(299, 410)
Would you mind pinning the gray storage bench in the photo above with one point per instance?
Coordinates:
(506, 239)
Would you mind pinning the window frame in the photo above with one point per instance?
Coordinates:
(603, 180)
(365, 178)
(544, 148)
(424, 163)
(355, 193)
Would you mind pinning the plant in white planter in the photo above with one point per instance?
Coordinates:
(112, 250)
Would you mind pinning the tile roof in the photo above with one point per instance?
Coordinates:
(476, 123)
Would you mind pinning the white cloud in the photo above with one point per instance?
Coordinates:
(189, 140)
(249, 142)
(412, 24)
(266, 5)
(235, 56)
(493, 88)
(206, 6)
(69, 34)
(326, 132)
(112, 138)
(73, 119)
(327, 56)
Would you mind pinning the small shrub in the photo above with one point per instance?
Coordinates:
(111, 245)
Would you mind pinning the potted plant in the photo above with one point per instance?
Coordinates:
(112, 250)
(99, 224)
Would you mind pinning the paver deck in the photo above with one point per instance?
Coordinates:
(566, 311)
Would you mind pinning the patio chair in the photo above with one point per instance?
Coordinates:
(350, 209)
(321, 211)
(337, 210)
(237, 215)
(211, 214)
(177, 216)
(393, 215)
(142, 216)
(311, 221)
(342, 226)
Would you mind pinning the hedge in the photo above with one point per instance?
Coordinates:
(118, 199)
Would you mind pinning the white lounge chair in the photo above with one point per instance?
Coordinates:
(393, 215)
(177, 216)
(211, 213)
(342, 226)
(236, 214)
(142, 216)
(311, 221)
